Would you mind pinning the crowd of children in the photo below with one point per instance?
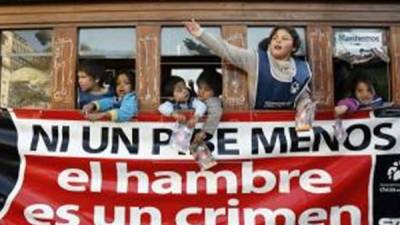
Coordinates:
(277, 79)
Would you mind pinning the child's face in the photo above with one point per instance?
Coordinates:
(281, 45)
(123, 85)
(363, 93)
(204, 92)
(181, 92)
(86, 82)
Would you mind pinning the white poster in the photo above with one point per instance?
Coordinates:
(360, 46)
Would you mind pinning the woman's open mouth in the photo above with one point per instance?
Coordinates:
(278, 47)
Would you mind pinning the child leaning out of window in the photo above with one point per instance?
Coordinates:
(363, 96)
(209, 86)
(179, 99)
(91, 80)
(122, 107)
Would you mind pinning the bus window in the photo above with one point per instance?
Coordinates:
(112, 49)
(360, 53)
(26, 68)
(183, 56)
(277, 98)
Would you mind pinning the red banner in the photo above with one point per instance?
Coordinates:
(266, 191)
(70, 171)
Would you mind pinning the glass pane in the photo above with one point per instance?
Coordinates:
(107, 43)
(257, 34)
(26, 43)
(176, 41)
(26, 68)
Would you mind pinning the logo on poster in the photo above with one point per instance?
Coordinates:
(389, 221)
(393, 172)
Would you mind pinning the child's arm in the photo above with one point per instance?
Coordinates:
(340, 110)
(167, 109)
(97, 116)
(346, 105)
(101, 105)
(200, 109)
(127, 110)
(214, 109)
(88, 108)
(104, 104)
(240, 57)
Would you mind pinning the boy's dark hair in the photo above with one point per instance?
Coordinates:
(365, 80)
(93, 70)
(129, 73)
(191, 89)
(212, 79)
(168, 85)
(293, 33)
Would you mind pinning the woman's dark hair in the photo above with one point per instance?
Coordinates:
(129, 73)
(169, 84)
(366, 81)
(93, 70)
(212, 79)
(293, 33)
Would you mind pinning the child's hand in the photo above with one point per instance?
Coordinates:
(192, 27)
(199, 137)
(191, 123)
(180, 118)
(88, 108)
(340, 110)
(96, 116)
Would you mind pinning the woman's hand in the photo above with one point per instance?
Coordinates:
(193, 27)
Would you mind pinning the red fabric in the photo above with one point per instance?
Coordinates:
(349, 187)
(283, 115)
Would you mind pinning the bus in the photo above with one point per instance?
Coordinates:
(58, 168)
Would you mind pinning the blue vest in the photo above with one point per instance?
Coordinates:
(183, 105)
(272, 93)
